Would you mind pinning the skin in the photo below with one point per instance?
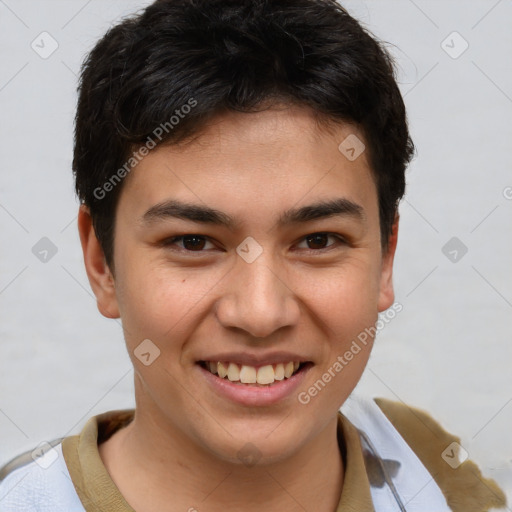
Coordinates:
(181, 449)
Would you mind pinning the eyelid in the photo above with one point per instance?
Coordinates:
(171, 242)
(341, 240)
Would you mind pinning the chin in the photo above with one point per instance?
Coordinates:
(250, 441)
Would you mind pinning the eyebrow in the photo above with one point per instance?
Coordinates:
(205, 215)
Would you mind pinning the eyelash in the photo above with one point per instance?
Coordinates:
(340, 241)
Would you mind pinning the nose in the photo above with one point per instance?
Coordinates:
(257, 299)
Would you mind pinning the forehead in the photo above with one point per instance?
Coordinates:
(251, 163)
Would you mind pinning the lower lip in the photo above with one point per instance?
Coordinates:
(245, 394)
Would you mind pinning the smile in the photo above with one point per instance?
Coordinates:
(244, 374)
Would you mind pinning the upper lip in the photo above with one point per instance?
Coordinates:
(249, 359)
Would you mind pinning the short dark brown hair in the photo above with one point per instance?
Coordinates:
(169, 69)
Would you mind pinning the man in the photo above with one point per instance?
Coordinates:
(240, 165)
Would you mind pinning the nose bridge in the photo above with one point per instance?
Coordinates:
(257, 300)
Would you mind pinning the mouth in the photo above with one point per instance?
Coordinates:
(257, 376)
(252, 382)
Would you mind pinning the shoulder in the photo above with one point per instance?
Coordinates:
(38, 480)
(461, 481)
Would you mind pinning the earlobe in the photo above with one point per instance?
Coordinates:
(98, 272)
(387, 294)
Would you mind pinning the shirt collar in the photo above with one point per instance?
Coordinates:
(98, 492)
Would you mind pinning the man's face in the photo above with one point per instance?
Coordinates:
(266, 279)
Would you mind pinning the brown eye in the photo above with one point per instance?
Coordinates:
(317, 240)
(194, 242)
(190, 243)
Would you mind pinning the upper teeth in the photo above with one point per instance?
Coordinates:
(251, 375)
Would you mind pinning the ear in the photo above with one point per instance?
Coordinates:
(387, 294)
(98, 272)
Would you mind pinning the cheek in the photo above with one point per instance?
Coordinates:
(345, 299)
(345, 309)
(160, 302)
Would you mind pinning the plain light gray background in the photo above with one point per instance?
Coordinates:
(449, 351)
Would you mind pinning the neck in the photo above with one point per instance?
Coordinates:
(158, 468)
